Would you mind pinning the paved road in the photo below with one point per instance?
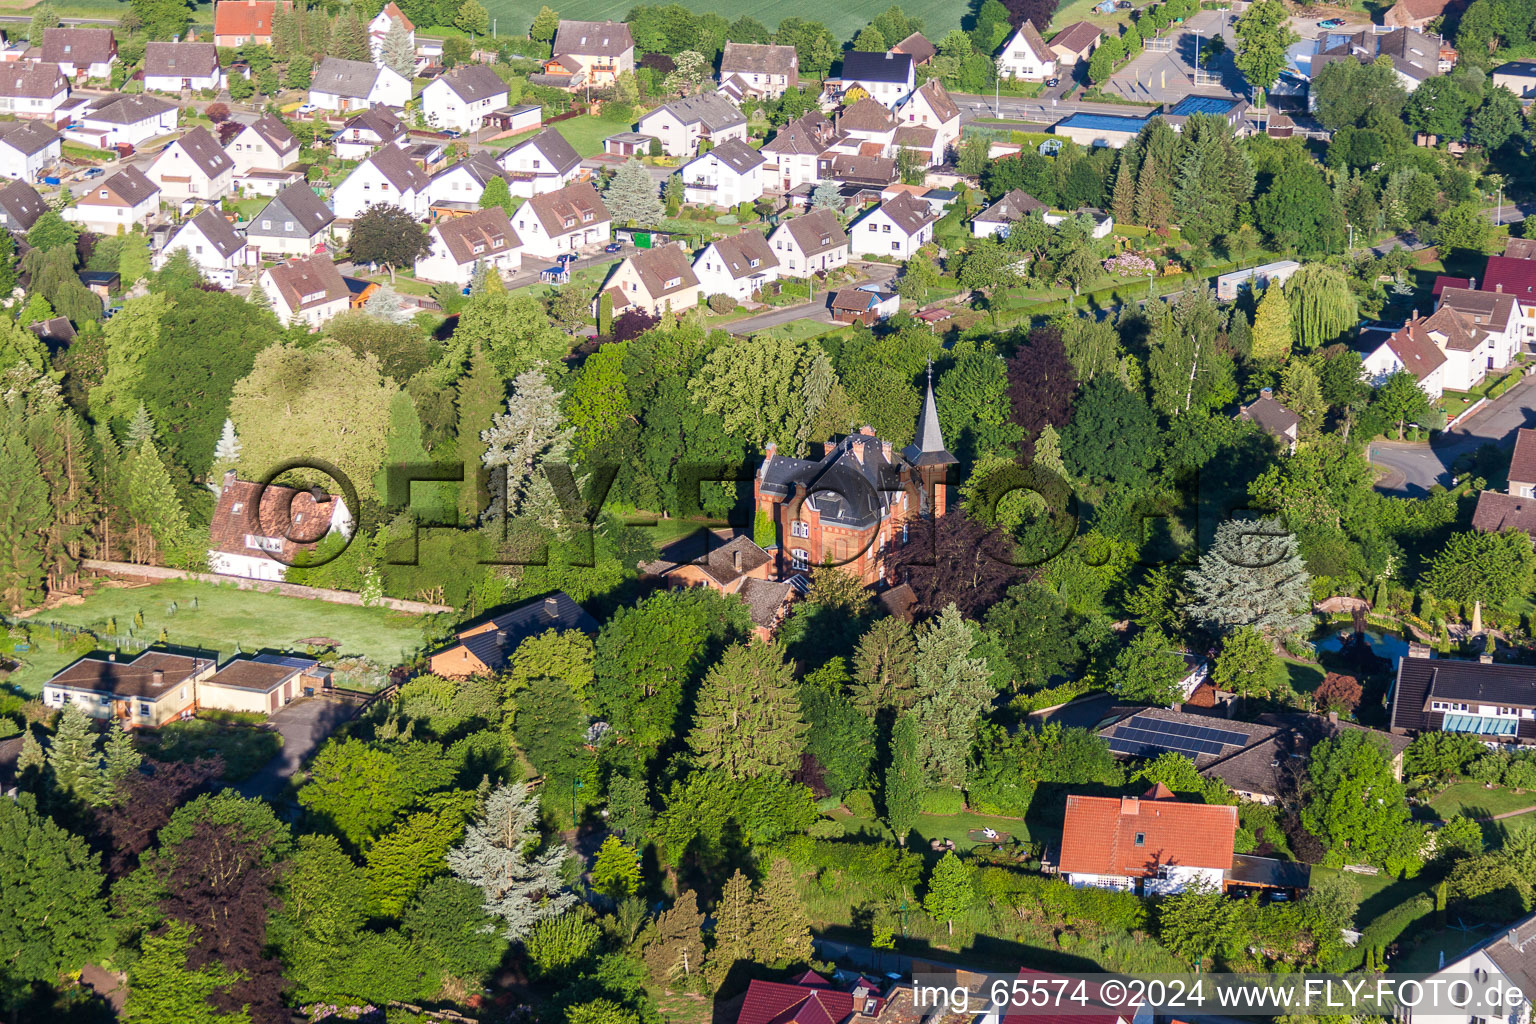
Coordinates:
(816, 309)
(304, 724)
(1038, 110)
(1414, 468)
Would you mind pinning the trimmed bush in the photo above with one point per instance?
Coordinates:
(943, 800)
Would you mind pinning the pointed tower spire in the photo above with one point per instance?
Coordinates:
(927, 448)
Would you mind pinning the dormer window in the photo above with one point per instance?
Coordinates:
(586, 218)
(237, 507)
(673, 282)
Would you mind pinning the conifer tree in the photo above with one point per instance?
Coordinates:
(1272, 327)
(631, 195)
(747, 720)
(1123, 203)
(733, 927)
(1146, 185)
(226, 455)
(1048, 450)
(349, 38)
(63, 452)
(1240, 334)
(519, 443)
(956, 688)
(74, 763)
(111, 492)
(883, 668)
(32, 755)
(122, 758)
(616, 871)
(141, 427)
(396, 51)
(676, 951)
(259, 297)
(159, 520)
(25, 517)
(1253, 575)
(781, 927)
(904, 779)
(826, 197)
(522, 885)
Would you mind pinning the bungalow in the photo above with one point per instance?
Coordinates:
(1273, 418)
(306, 289)
(1477, 331)
(1098, 224)
(792, 153)
(812, 243)
(863, 306)
(463, 97)
(20, 206)
(212, 243)
(80, 52)
(712, 561)
(758, 70)
(1411, 349)
(352, 84)
(727, 175)
(562, 221)
(683, 123)
(596, 51)
(265, 144)
(896, 228)
(295, 223)
(462, 244)
(738, 266)
(118, 204)
(1008, 209)
(262, 684)
(366, 131)
(141, 693)
(655, 280)
(27, 148)
(117, 119)
(930, 122)
(544, 163)
(262, 544)
(1075, 43)
(1156, 841)
(195, 166)
(1496, 701)
(485, 648)
(1027, 57)
(237, 22)
(378, 29)
(388, 176)
(172, 67)
(888, 77)
(1228, 286)
(465, 181)
(32, 90)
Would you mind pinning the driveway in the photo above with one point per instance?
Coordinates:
(816, 309)
(1412, 469)
(304, 725)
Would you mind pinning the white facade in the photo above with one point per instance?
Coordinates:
(533, 173)
(681, 138)
(541, 244)
(26, 166)
(447, 109)
(878, 235)
(710, 181)
(1019, 60)
(110, 217)
(250, 151)
(389, 90)
(455, 184)
(112, 133)
(312, 316)
(1382, 363)
(367, 186)
(441, 265)
(715, 279)
(794, 260)
(181, 177)
(208, 257)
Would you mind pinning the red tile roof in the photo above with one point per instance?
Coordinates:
(1512, 276)
(294, 519)
(1443, 282)
(245, 17)
(1099, 835)
(808, 1001)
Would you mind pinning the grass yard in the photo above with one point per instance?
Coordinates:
(798, 330)
(222, 618)
(954, 826)
(585, 133)
(1473, 800)
(1300, 676)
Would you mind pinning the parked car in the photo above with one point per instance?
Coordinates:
(613, 247)
(308, 108)
(451, 133)
(566, 258)
(1051, 83)
(94, 172)
(1331, 23)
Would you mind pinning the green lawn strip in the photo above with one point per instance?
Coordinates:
(1473, 800)
(956, 827)
(585, 133)
(224, 617)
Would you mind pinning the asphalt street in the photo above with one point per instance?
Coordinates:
(1414, 468)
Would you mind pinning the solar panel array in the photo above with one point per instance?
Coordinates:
(1143, 735)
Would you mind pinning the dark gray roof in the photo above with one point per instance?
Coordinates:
(1012, 206)
(737, 155)
(78, 46)
(1270, 416)
(907, 213)
(298, 203)
(381, 121)
(593, 38)
(561, 155)
(131, 185)
(473, 82)
(180, 60)
(739, 250)
(398, 169)
(205, 152)
(120, 109)
(763, 598)
(351, 78)
(28, 137)
(275, 132)
(218, 231)
(1514, 951)
(877, 67)
(927, 448)
(480, 166)
(556, 611)
(851, 485)
(1272, 766)
(817, 231)
(710, 109)
(1266, 871)
(809, 135)
(1451, 679)
(20, 206)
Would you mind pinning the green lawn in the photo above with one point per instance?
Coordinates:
(223, 617)
(1300, 676)
(585, 133)
(1472, 800)
(954, 826)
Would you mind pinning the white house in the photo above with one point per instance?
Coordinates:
(812, 243)
(738, 266)
(366, 131)
(117, 203)
(1409, 349)
(1099, 225)
(683, 123)
(866, 127)
(260, 543)
(212, 243)
(352, 84)
(465, 181)
(1156, 840)
(759, 70)
(1026, 56)
(117, 119)
(729, 174)
(307, 290)
(888, 77)
(793, 151)
(1477, 331)
(1501, 966)
(20, 206)
(388, 176)
(195, 166)
(567, 220)
(460, 244)
(1514, 273)
(30, 90)
(27, 148)
(929, 122)
(1008, 209)
(463, 97)
(80, 52)
(172, 67)
(541, 164)
(265, 144)
(295, 223)
(896, 228)
(378, 29)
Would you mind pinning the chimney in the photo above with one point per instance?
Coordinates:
(1472, 284)
(1333, 718)
(858, 452)
(501, 638)
(157, 678)
(867, 430)
(1130, 805)
(552, 607)
(736, 559)
(886, 450)
(1485, 659)
(1266, 392)
(770, 449)
(1499, 287)
(1413, 316)
(111, 655)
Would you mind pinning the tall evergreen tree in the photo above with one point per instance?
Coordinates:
(631, 195)
(396, 51)
(883, 668)
(522, 885)
(733, 927)
(781, 927)
(226, 455)
(1272, 327)
(1123, 203)
(957, 688)
(349, 38)
(1253, 575)
(675, 953)
(747, 720)
(25, 517)
(74, 763)
(160, 522)
(520, 442)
